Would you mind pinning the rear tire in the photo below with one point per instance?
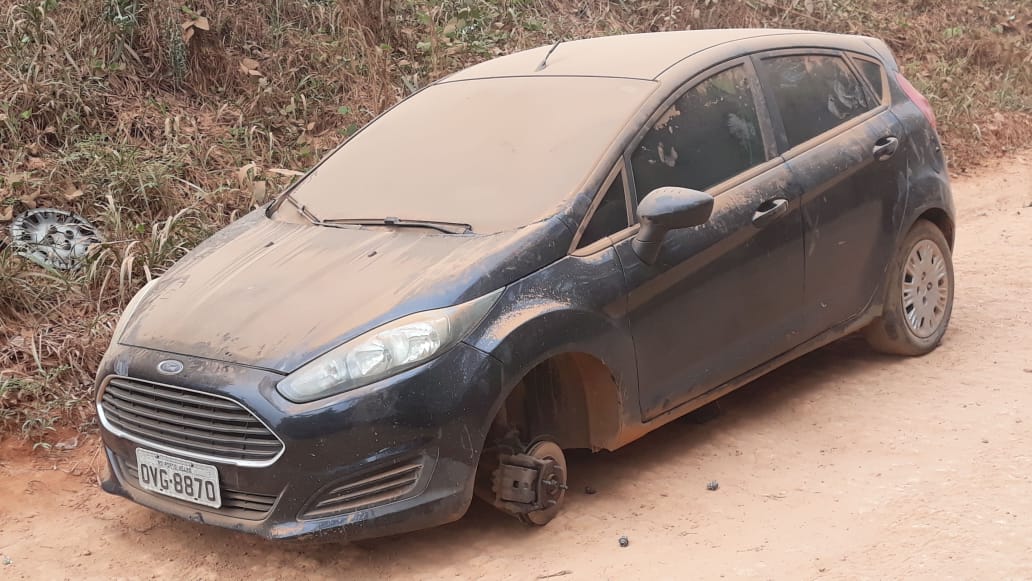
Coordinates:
(918, 297)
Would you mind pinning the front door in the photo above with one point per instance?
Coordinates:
(724, 297)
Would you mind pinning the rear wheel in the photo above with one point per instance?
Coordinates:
(919, 297)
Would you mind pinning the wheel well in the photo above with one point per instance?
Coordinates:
(571, 398)
(942, 221)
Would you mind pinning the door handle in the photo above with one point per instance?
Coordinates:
(769, 211)
(885, 148)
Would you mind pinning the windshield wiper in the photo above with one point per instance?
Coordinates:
(303, 210)
(446, 227)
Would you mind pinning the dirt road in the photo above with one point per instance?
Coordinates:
(844, 464)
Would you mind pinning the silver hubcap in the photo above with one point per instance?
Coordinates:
(926, 289)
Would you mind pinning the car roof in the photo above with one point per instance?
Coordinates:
(639, 56)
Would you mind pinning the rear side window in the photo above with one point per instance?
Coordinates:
(872, 71)
(814, 93)
(709, 134)
(610, 217)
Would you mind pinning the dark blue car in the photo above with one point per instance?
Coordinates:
(562, 248)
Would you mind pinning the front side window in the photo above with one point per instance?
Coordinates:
(710, 134)
(610, 217)
(814, 93)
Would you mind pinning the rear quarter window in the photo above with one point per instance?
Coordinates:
(814, 94)
(872, 71)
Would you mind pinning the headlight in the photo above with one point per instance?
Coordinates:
(386, 350)
(130, 308)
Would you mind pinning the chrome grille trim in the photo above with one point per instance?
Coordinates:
(378, 488)
(186, 422)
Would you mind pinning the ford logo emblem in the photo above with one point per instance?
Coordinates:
(170, 367)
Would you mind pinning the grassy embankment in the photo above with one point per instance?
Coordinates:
(160, 122)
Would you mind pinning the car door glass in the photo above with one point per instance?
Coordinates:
(814, 93)
(873, 72)
(610, 217)
(710, 134)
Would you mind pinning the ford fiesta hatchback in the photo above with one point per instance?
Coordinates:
(562, 248)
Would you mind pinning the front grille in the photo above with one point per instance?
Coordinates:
(381, 487)
(187, 421)
(236, 504)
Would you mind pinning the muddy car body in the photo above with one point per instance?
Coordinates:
(535, 254)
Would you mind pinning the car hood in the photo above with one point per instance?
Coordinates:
(275, 295)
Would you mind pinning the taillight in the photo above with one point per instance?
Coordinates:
(918, 99)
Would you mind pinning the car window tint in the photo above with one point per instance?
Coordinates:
(610, 217)
(709, 134)
(873, 72)
(814, 93)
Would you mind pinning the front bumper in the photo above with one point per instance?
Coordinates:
(430, 421)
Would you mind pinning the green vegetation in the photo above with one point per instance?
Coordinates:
(161, 122)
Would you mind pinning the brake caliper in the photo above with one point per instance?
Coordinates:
(524, 484)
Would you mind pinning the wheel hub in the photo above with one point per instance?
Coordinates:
(531, 485)
(926, 289)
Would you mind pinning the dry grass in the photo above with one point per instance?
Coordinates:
(162, 121)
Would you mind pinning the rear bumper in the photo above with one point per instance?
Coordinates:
(430, 421)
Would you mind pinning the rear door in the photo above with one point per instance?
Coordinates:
(725, 296)
(840, 142)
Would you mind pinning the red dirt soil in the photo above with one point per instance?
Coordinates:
(844, 464)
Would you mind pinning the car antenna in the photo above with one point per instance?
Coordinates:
(544, 61)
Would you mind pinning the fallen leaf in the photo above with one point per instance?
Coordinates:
(6, 213)
(72, 192)
(285, 172)
(201, 22)
(16, 178)
(29, 201)
(244, 173)
(249, 64)
(69, 444)
(35, 163)
(187, 35)
(259, 192)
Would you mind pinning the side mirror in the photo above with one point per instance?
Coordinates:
(666, 209)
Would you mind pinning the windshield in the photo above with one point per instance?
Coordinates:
(496, 154)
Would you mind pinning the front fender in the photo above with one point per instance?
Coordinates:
(575, 305)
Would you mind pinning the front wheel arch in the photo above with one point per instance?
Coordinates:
(572, 398)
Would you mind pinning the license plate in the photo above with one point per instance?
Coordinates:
(178, 478)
